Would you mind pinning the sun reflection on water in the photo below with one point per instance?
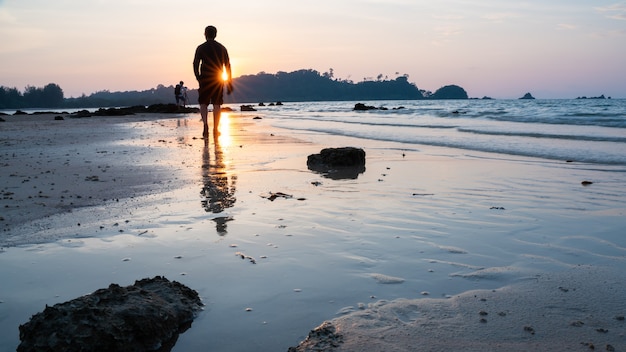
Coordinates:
(225, 138)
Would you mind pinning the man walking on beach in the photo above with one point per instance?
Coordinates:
(209, 64)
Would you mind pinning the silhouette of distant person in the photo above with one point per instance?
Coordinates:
(180, 92)
(218, 187)
(209, 63)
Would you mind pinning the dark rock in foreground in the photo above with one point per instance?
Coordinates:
(323, 338)
(338, 163)
(146, 316)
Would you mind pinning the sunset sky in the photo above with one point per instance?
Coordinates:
(502, 49)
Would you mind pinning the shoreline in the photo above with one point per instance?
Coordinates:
(430, 220)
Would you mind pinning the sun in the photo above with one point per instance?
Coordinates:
(224, 76)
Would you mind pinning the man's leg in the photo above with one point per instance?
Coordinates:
(217, 113)
(204, 112)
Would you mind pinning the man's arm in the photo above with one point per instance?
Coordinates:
(229, 83)
(196, 65)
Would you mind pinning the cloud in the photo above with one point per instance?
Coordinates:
(500, 17)
(566, 26)
(615, 11)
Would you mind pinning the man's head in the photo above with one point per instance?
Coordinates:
(210, 32)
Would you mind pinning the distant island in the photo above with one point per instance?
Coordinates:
(600, 97)
(301, 85)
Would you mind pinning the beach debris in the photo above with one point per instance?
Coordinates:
(297, 290)
(248, 309)
(146, 316)
(272, 196)
(586, 183)
(497, 208)
(316, 183)
(529, 329)
(338, 163)
(244, 256)
(423, 194)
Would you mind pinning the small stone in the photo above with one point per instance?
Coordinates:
(529, 329)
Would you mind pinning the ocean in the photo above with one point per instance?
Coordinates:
(576, 130)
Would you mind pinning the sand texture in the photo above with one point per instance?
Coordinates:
(579, 310)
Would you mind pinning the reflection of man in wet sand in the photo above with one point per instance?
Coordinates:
(210, 63)
(218, 188)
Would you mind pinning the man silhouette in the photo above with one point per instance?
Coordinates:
(209, 63)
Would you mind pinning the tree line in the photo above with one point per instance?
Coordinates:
(301, 85)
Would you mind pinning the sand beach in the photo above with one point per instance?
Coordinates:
(429, 249)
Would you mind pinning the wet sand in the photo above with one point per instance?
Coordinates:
(428, 250)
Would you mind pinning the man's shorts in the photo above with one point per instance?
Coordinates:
(211, 91)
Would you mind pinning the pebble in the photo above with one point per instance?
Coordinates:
(248, 309)
(529, 329)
